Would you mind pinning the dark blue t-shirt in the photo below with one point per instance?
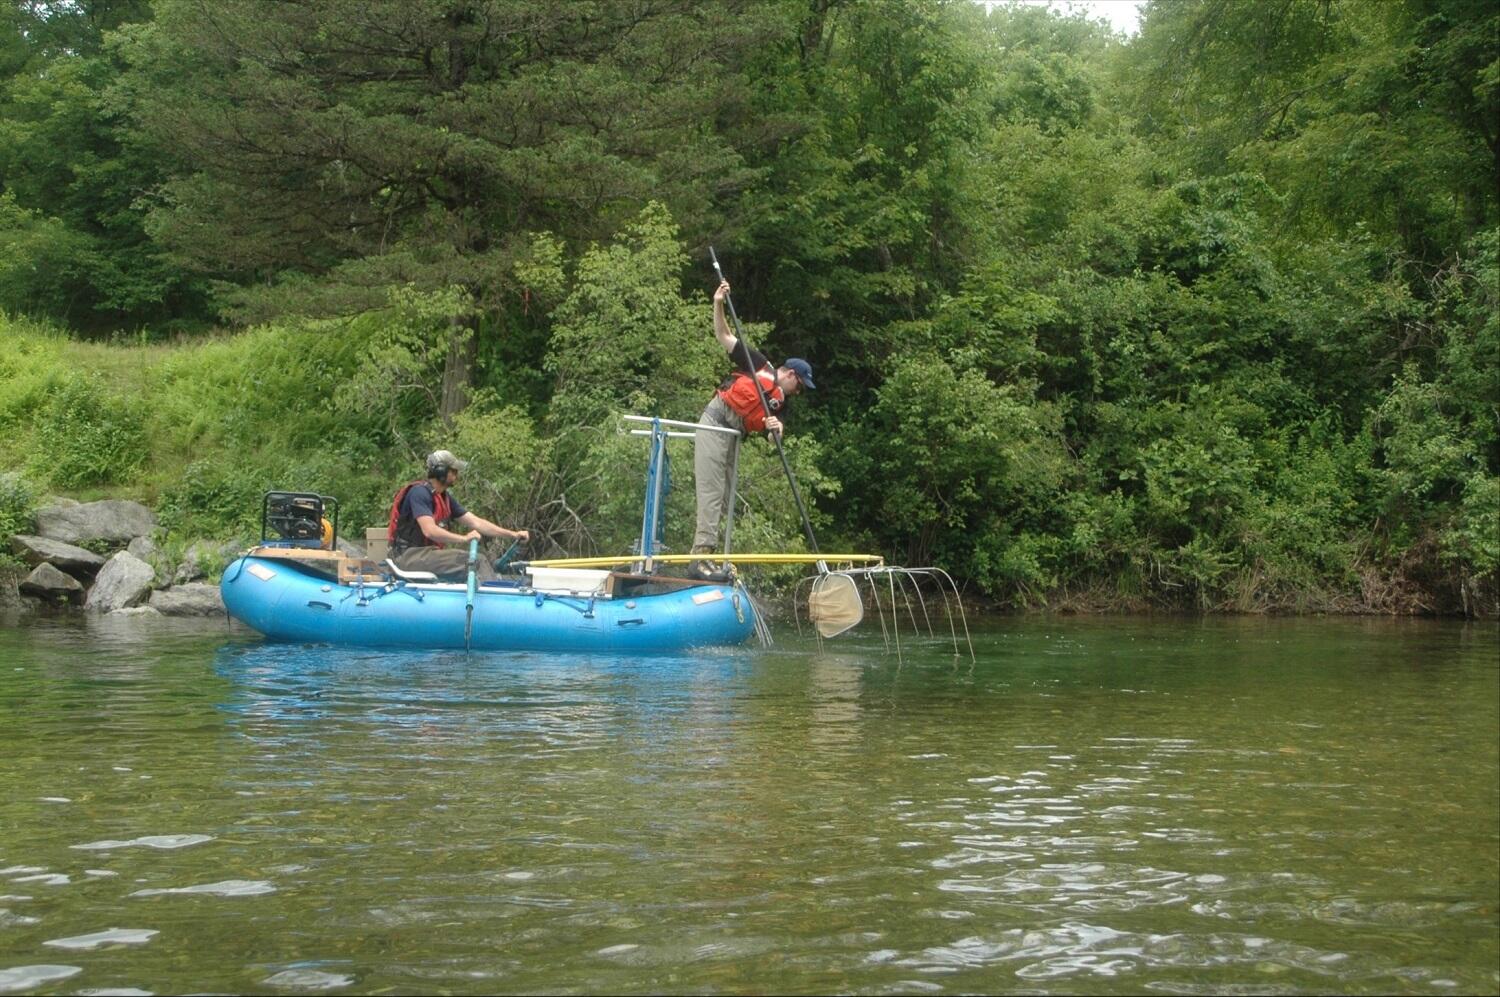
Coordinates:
(418, 502)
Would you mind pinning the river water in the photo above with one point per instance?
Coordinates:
(1111, 805)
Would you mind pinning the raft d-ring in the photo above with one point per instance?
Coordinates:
(540, 598)
(739, 611)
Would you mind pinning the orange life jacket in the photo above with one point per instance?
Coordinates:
(404, 531)
(740, 395)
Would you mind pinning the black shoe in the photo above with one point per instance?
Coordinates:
(704, 570)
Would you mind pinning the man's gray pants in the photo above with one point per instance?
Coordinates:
(448, 563)
(713, 470)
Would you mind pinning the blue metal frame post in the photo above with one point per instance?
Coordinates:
(653, 497)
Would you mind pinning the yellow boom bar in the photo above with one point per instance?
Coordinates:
(609, 562)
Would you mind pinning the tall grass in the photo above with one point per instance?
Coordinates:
(200, 429)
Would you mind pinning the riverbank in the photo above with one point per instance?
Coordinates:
(114, 556)
(198, 430)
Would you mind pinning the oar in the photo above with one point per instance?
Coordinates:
(765, 406)
(473, 585)
(504, 560)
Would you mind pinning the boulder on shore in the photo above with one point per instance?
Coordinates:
(48, 583)
(75, 561)
(110, 521)
(124, 581)
(199, 557)
(143, 548)
(195, 599)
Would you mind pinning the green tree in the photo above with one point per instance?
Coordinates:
(336, 147)
(1360, 111)
(72, 240)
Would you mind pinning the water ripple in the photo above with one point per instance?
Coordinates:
(110, 936)
(226, 888)
(158, 841)
(21, 978)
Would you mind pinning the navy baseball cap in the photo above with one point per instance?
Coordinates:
(802, 369)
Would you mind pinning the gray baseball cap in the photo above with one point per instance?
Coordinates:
(439, 461)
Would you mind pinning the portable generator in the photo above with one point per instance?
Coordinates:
(297, 520)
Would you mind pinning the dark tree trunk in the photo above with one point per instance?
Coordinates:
(457, 369)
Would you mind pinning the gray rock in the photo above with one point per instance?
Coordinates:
(350, 549)
(188, 600)
(136, 611)
(143, 548)
(46, 582)
(124, 581)
(74, 560)
(112, 521)
(192, 566)
(203, 557)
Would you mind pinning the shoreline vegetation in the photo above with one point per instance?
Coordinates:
(1206, 319)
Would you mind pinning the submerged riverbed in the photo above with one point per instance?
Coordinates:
(1093, 806)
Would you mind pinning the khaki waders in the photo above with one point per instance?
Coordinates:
(713, 471)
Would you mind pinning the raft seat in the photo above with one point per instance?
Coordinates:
(423, 577)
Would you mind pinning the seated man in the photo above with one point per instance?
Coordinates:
(423, 515)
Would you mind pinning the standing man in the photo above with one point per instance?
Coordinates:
(736, 405)
(423, 515)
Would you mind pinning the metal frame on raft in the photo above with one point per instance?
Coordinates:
(656, 480)
(656, 477)
(910, 582)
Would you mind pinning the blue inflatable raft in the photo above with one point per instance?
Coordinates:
(315, 595)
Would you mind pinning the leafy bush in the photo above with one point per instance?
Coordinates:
(508, 463)
(1474, 538)
(17, 504)
(951, 454)
(43, 263)
(86, 435)
(626, 340)
(221, 500)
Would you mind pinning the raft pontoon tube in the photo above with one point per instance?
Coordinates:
(322, 596)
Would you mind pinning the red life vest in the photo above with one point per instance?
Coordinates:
(740, 395)
(404, 531)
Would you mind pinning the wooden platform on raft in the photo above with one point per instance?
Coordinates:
(334, 565)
